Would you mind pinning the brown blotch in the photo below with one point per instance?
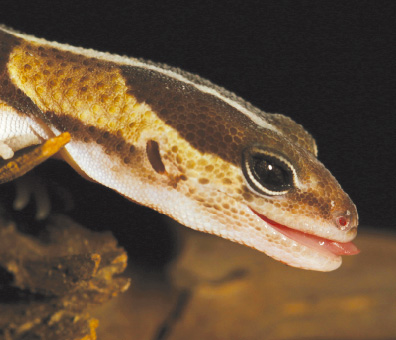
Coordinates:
(203, 181)
(227, 181)
(227, 138)
(120, 146)
(248, 197)
(154, 157)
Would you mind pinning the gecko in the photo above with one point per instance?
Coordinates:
(174, 142)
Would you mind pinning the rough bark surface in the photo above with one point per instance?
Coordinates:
(48, 282)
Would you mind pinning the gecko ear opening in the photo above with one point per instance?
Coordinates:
(267, 173)
(154, 156)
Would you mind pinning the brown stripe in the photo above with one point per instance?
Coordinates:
(113, 144)
(9, 93)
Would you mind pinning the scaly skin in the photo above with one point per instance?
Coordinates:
(171, 141)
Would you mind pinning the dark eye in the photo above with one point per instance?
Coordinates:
(267, 173)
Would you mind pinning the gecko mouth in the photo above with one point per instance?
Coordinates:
(312, 241)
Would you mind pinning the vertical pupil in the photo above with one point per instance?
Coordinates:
(267, 174)
(271, 175)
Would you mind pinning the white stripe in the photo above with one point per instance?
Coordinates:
(134, 62)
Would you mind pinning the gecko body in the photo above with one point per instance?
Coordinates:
(174, 142)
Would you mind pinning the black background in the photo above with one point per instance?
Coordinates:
(330, 65)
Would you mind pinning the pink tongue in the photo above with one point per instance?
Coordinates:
(313, 241)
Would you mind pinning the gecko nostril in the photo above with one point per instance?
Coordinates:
(345, 221)
(342, 222)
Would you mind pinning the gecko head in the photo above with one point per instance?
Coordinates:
(229, 169)
(270, 192)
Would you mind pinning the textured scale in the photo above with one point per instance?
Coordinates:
(169, 140)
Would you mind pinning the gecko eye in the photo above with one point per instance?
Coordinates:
(267, 173)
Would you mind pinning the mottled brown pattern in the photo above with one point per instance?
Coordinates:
(65, 82)
(9, 93)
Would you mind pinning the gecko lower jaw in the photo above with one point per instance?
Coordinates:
(318, 243)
